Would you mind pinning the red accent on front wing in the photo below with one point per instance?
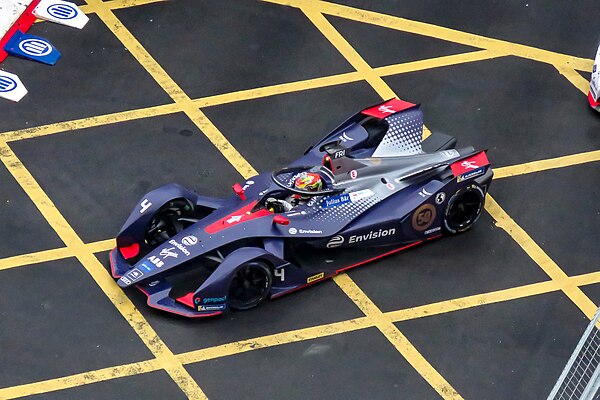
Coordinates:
(595, 104)
(355, 265)
(23, 23)
(130, 251)
(158, 307)
(469, 164)
(388, 108)
(237, 217)
(187, 299)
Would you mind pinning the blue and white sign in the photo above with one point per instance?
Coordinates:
(7, 84)
(61, 12)
(33, 48)
(11, 87)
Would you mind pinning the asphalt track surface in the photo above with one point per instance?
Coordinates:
(205, 93)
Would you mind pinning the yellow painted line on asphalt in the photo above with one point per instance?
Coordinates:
(172, 89)
(90, 122)
(103, 245)
(437, 62)
(575, 78)
(84, 378)
(385, 324)
(505, 222)
(439, 32)
(283, 88)
(51, 255)
(117, 4)
(547, 164)
(350, 54)
(99, 273)
(242, 95)
(277, 339)
(476, 300)
(298, 335)
(35, 258)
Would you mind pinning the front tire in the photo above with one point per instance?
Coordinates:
(250, 285)
(464, 208)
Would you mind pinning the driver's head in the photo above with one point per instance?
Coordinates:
(309, 181)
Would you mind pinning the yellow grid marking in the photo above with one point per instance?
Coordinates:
(504, 221)
(566, 65)
(90, 122)
(547, 164)
(439, 32)
(350, 54)
(172, 89)
(385, 324)
(103, 245)
(277, 339)
(99, 274)
(84, 378)
(575, 78)
(35, 258)
(293, 336)
(249, 94)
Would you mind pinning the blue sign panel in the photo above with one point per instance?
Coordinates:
(335, 201)
(33, 48)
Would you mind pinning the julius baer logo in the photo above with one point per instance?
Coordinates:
(338, 240)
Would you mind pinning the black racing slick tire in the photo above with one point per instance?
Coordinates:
(250, 285)
(464, 208)
(169, 220)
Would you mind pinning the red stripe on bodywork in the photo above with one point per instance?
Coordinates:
(237, 217)
(352, 266)
(595, 104)
(23, 23)
(388, 108)
(469, 164)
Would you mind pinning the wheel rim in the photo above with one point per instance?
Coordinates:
(249, 286)
(464, 210)
(168, 221)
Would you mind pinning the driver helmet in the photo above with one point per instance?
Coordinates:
(309, 181)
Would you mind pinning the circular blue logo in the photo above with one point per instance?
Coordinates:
(35, 47)
(62, 11)
(7, 84)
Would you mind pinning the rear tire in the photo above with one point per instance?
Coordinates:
(250, 285)
(464, 208)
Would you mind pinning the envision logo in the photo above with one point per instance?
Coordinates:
(335, 241)
(338, 240)
(372, 235)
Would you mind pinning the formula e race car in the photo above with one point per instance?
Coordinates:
(370, 188)
(594, 94)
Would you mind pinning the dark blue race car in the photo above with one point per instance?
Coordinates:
(370, 188)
